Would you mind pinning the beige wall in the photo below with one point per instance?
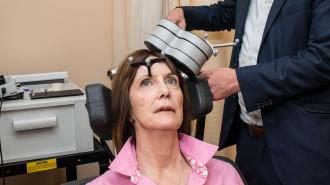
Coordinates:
(38, 36)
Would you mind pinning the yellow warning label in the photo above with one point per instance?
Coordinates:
(43, 165)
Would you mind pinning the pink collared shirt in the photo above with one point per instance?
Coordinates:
(204, 169)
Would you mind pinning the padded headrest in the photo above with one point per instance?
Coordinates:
(98, 105)
(201, 97)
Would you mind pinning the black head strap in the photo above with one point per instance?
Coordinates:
(147, 62)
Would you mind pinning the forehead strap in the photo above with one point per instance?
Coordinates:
(147, 62)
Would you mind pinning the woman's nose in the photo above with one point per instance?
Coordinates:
(164, 91)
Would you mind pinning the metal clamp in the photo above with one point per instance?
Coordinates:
(215, 46)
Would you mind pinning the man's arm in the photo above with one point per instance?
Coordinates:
(289, 76)
(216, 17)
(222, 82)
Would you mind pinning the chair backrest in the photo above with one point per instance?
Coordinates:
(98, 106)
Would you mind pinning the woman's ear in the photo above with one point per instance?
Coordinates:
(132, 118)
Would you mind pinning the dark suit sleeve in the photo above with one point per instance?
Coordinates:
(289, 76)
(216, 17)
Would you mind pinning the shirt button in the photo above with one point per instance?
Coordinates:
(262, 105)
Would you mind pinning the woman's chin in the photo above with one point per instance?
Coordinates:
(167, 124)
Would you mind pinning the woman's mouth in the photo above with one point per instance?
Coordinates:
(166, 109)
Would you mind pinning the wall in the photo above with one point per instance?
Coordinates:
(38, 36)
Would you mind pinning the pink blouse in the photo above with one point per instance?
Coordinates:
(205, 170)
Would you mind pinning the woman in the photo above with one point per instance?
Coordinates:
(152, 116)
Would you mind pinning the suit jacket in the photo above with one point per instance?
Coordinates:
(290, 83)
(205, 169)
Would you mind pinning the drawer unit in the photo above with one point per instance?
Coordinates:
(32, 129)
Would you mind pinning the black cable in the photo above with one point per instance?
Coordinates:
(3, 91)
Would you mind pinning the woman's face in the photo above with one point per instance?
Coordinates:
(157, 101)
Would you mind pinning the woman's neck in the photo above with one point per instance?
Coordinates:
(159, 157)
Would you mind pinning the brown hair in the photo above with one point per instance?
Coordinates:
(121, 105)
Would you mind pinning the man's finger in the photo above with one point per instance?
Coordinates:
(182, 25)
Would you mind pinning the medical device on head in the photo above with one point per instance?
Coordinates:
(188, 51)
(148, 62)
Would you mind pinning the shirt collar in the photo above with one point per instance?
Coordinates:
(197, 149)
(125, 162)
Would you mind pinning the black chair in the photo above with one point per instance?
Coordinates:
(98, 105)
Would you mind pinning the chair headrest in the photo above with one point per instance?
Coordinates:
(201, 97)
(98, 106)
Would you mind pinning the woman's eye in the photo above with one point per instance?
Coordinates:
(172, 81)
(145, 83)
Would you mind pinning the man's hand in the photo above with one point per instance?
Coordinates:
(177, 16)
(222, 82)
